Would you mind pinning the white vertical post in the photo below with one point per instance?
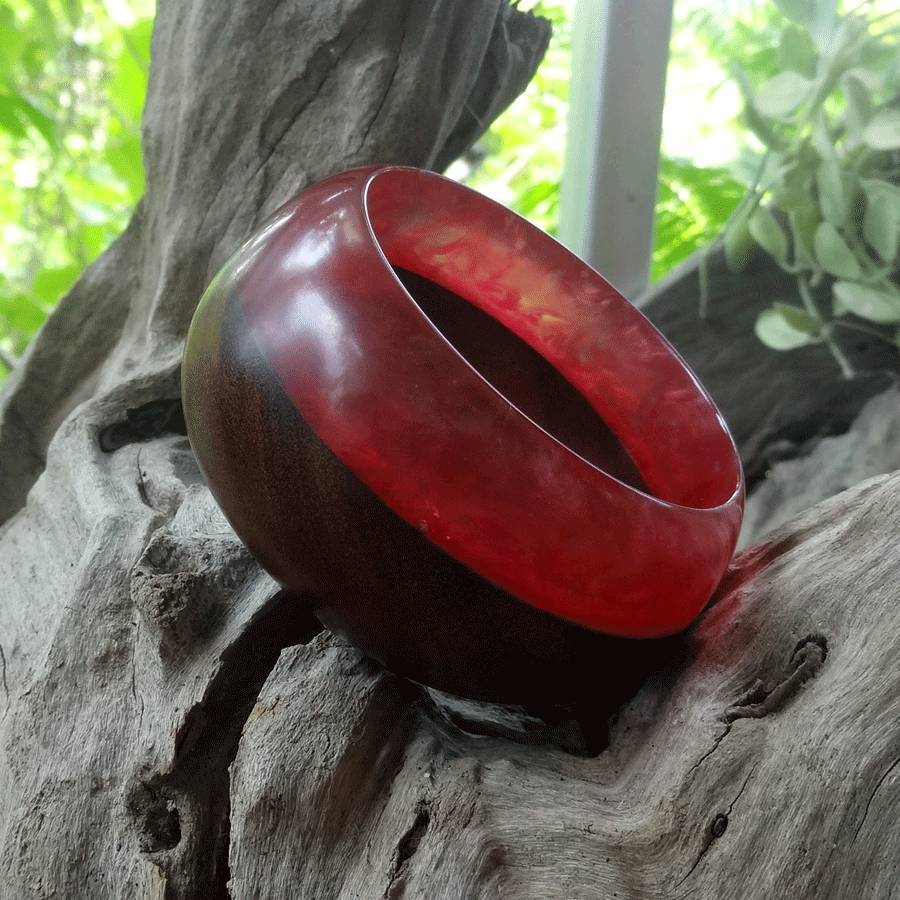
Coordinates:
(620, 50)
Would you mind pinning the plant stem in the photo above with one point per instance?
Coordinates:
(809, 302)
(807, 297)
(840, 358)
(7, 359)
(753, 196)
(703, 277)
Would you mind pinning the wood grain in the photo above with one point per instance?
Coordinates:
(172, 726)
(135, 631)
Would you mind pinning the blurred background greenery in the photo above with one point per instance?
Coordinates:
(73, 75)
(73, 78)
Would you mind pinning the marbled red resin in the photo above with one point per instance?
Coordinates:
(505, 439)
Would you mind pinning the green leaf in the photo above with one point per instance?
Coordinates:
(17, 113)
(693, 207)
(883, 130)
(50, 284)
(761, 127)
(42, 123)
(128, 88)
(796, 10)
(137, 39)
(10, 122)
(821, 138)
(823, 17)
(867, 302)
(858, 91)
(45, 21)
(739, 243)
(93, 239)
(803, 221)
(73, 12)
(833, 253)
(870, 79)
(769, 234)
(12, 41)
(752, 118)
(832, 198)
(881, 220)
(22, 312)
(125, 160)
(90, 213)
(781, 95)
(533, 197)
(775, 331)
(799, 319)
(777, 167)
(797, 51)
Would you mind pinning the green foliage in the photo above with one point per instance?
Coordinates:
(784, 327)
(820, 88)
(521, 157)
(72, 84)
(825, 200)
(519, 161)
(691, 207)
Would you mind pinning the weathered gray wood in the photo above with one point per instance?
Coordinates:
(247, 104)
(171, 726)
(825, 467)
(764, 765)
(135, 631)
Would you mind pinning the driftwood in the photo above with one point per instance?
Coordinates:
(172, 726)
(825, 466)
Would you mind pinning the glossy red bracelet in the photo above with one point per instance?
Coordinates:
(453, 434)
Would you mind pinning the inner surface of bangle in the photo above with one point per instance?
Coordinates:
(640, 393)
(523, 377)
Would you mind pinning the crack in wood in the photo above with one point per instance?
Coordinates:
(881, 781)
(302, 90)
(195, 794)
(716, 829)
(760, 701)
(141, 481)
(406, 849)
(143, 423)
(387, 91)
(3, 668)
(715, 746)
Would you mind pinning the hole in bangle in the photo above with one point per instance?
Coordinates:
(523, 377)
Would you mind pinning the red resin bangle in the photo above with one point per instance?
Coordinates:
(394, 364)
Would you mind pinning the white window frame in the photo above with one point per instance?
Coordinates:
(620, 51)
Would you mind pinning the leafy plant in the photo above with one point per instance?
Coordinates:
(825, 199)
(692, 205)
(519, 161)
(72, 84)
